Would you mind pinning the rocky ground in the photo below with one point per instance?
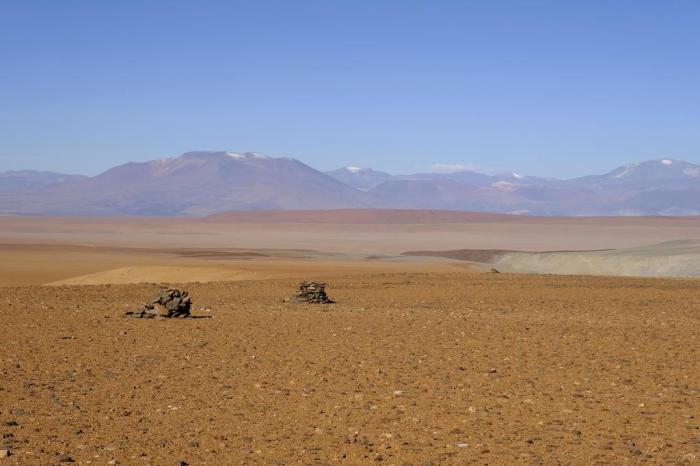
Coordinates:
(404, 369)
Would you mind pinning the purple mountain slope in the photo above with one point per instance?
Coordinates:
(202, 183)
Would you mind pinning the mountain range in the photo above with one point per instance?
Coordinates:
(209, 182)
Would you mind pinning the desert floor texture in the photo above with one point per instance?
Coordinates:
(420, 361)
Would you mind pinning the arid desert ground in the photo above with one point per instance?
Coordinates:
(424, 358)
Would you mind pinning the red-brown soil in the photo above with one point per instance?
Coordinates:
(422, 217)
(407, 368)
(360, 216)
(421, 361)
(368, 233)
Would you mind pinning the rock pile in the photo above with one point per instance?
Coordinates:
(168, 303)
(312, 292)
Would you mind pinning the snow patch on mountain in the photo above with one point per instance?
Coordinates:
(503, 185)
(626, 170)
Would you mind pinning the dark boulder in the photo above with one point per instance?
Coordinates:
(312, 292)
(167, 303)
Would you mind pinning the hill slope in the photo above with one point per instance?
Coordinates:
(196, 183)
(204, 183)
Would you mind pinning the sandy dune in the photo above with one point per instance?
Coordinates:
(680, 258)
(261, 270)
(158, 274)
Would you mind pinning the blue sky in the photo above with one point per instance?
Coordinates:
(557, 88)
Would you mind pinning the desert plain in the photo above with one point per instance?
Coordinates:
(425, 358)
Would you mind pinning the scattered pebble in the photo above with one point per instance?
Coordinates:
(634, 449)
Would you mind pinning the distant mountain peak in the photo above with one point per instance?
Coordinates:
(360, 178)
(247, 155)
(656, 169)
(222, 154)
(203, 182)
(622, 171)
(256, 155)
(17, 180)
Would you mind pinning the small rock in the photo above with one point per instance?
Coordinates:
(634, 449)
(181, 463)
(5, 452)
(65, 459)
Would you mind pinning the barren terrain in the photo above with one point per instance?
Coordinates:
(441, 368)
(422, 360)
(39, 250)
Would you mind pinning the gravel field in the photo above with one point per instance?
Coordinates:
(406, 368)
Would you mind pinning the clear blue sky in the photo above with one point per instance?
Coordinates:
(556, 88)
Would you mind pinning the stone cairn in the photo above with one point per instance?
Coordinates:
(312, 292)
(168, 303)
